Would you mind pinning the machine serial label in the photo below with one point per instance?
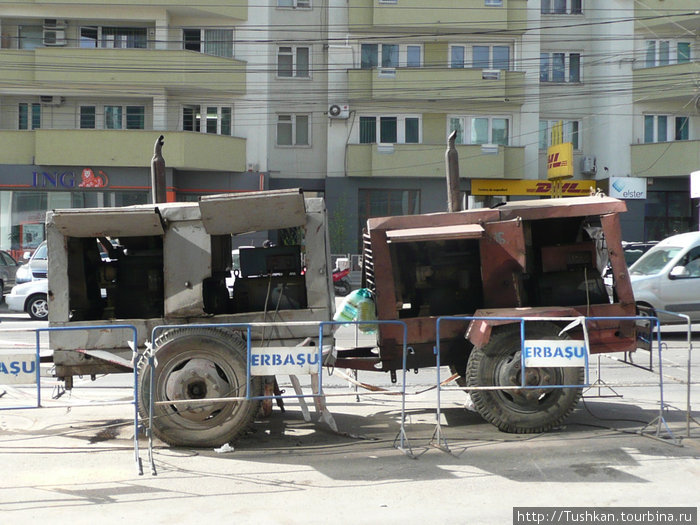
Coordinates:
(555, 353)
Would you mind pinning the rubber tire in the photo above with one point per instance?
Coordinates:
(346, 288)
(501, 407)
(173, 350)
(38, 307)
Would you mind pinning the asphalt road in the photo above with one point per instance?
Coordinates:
(74, 460)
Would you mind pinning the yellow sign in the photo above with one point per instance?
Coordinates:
(539, 188)
(560, 161)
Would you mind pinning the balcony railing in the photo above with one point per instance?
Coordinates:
(114, 70)
(428, 160)
(673, 82)
(465, 15)
(463, 85)
(665, 159)
(132, 148)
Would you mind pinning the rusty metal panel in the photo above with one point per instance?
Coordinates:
(250, 211)
(621, 276)
(133, 221)
(560, 208)
(432, 219)
(504, 249)
(436, 233)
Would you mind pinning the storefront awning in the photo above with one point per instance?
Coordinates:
(106, 222)
(436, 233)
(253, 211)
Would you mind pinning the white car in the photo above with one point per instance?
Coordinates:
(31, 297)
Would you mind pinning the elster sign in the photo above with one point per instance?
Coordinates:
(628, 187)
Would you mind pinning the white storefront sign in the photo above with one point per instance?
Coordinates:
(17, 369)
(695, 185)
(271, 360)
(555, 352)
(628, 187)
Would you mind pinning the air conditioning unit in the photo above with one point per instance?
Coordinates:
(51, 101)
(588, 166)
(491, 74)
(338, 111)
(54, 32)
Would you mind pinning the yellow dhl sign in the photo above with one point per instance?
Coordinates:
(560, 161)
(572, 188)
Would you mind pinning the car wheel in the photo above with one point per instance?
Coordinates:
(38, 307)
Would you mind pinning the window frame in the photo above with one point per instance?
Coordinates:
(294, 53)
(572, 128)
(401, 129)
(468, 55)
(201, 123)
(295, 5)
(202, 40)
(571, 7)
(401, 57)
(464, 140)
(294, 129)
(671, 131)
(551, 67)
(673, 52)
(32, 115)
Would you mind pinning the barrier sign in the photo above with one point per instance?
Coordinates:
(17, 369)
(288, 360)
(555, 353)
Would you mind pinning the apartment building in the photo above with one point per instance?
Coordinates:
(353, 99)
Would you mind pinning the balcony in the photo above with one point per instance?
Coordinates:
(435, 84)
(114, 70)
(186, 8)
(660, 15)
(665, 159)
(464, 15)
(677, 82)
(428, 160)
(105, 148)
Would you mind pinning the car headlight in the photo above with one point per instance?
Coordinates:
(24, 274)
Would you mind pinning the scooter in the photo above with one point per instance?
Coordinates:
(341, 283)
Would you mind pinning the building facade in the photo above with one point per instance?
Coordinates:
(352, 99)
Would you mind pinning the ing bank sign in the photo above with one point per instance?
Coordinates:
(68, 179)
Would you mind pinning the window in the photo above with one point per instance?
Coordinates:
(216, 120)
(480, 56)
(114, 37)
(664, 128)
(386, 202)
(29, 116)
(571, 129)
(493, 2)
(217, 42)
(113, 117)
(87, 117)
(295, 4)
(560, 67)
(390, 56)
(480, 130)
(293, 130)
(135, 117)
(665, 52)
(30, 37)
(390, 129)
(561, 7)
(666, 213)
(293, 61)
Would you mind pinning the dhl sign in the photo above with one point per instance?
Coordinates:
(560, 161)
(572, 188)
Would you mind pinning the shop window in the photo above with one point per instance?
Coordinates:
(666, 213)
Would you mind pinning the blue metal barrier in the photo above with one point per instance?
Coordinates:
(583, 322)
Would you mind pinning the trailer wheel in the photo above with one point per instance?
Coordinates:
(199, 363)
(521, 411)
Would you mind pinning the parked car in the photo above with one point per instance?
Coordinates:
(30, 297)
(8, 269)
(36, 267)
(667, 277)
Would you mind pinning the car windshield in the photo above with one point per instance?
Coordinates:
(40, 252)
(654, 261)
